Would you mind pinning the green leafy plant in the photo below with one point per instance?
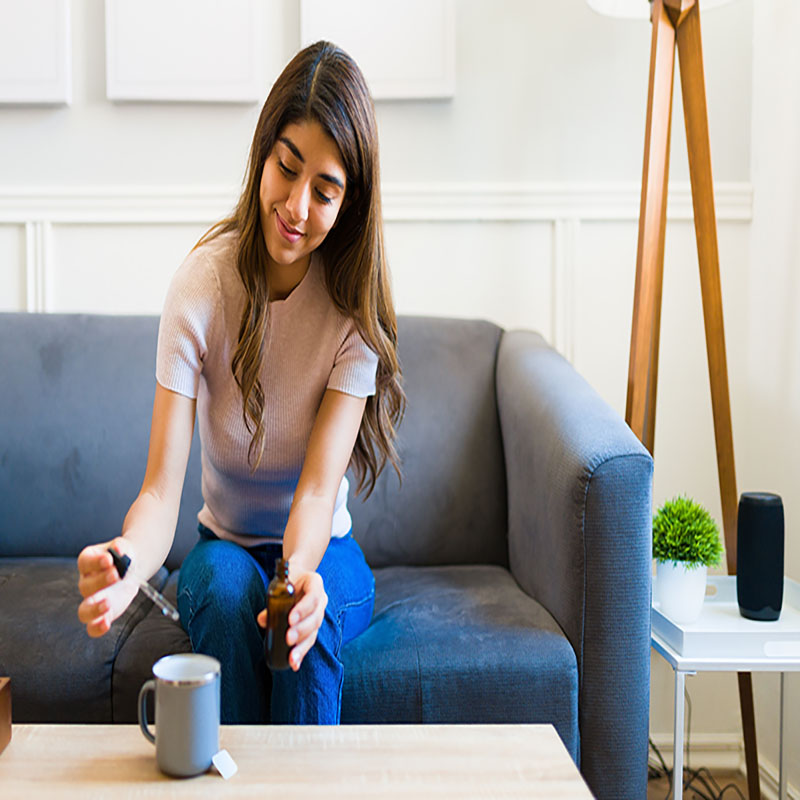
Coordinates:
(684, 531)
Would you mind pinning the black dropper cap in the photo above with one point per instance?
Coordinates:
(120, 562)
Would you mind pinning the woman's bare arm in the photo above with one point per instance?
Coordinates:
(149, 526)
(308, 530)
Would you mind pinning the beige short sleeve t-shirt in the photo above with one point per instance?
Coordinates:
(310, 347)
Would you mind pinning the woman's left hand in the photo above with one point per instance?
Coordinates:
(305, 618)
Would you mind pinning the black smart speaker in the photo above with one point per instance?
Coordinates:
(759, 556)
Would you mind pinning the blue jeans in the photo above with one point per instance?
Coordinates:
(221, 590)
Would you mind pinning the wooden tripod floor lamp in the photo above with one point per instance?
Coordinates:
(677, 23)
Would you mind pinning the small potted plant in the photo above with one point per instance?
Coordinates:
(685, 543)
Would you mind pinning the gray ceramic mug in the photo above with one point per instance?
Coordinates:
(186, 687)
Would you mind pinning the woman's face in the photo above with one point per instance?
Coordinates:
(302, 190)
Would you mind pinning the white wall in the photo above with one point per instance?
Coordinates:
(516, 201)
(773, 295)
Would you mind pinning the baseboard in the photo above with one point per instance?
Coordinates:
(724, 752)
(717, 751)
(769, 782)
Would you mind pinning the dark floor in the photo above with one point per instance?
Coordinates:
(705, 789)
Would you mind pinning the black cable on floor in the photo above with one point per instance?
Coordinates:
(708, 788)
(735, 789)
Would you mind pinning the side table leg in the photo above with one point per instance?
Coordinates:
(782, 777)
(677, 738)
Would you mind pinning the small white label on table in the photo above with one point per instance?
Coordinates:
(224, 764)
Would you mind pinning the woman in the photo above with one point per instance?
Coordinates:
(279, 331)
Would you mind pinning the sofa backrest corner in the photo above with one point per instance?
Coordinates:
(450, 507)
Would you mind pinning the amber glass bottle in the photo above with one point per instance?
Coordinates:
(280, 599)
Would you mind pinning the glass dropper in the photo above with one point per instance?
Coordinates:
(122, 563)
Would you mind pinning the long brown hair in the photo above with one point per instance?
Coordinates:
(322, 83)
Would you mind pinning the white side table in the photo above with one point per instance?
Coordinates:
(724, 641)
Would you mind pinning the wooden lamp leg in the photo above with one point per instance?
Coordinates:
(640, 412)
(690, 56)
(694, 104)
(678, 22)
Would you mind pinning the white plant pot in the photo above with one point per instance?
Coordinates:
(680, 590)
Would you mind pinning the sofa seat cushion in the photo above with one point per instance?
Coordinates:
(154, 637)
(58, 673)
(460, 644)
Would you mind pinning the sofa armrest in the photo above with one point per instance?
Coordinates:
(579, 513)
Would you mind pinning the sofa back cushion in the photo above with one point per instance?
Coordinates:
(74, 430)
(75, 420)
(451, 505)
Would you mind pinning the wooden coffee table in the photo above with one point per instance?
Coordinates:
(350, 761)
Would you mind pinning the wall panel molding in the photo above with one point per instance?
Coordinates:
(411, 202)
(562, 281)
(565, 207)
(512, 202)
(37, 261)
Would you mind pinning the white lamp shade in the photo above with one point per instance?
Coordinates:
(638, 9)
(631, 9)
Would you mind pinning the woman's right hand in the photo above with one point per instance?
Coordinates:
(105, 596)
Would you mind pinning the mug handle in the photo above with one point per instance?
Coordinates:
(147, 686)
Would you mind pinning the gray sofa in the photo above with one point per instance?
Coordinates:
(512, 564)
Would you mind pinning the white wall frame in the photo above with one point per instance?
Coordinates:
(35, 52)
(406, 50)
(564, 206)
(402, 202)
(184, 51)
